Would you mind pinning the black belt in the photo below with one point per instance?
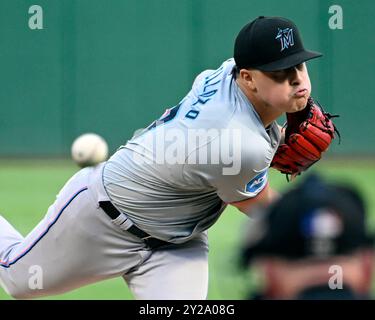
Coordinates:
(113, 213)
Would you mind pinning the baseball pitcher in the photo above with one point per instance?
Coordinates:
(143, 215)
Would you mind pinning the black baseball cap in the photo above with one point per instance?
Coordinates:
(315, 220)
(270, 44)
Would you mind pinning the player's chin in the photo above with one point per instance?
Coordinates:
(298, 104)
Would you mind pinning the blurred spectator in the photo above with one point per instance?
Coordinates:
(312, 244)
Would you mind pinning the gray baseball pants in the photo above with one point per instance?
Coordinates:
(76, 244)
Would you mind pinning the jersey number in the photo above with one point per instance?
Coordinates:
(167, 116)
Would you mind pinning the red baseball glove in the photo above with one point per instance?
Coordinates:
(308, 134)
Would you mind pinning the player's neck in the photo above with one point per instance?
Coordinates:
(266, 113)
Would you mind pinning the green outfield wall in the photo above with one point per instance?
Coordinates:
(111, 67)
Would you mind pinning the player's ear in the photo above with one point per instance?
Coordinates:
(247, 77)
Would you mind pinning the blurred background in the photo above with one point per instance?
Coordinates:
(112, 67)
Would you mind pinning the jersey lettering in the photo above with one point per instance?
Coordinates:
(206, 96)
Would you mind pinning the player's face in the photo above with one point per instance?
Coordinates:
(285, 90)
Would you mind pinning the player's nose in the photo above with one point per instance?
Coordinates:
(295, 76)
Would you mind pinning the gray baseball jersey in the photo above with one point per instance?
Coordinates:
(174, 178)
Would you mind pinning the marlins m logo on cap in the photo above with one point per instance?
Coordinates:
(270, 44)
(285, 36)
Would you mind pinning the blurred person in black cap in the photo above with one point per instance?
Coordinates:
(312, 244)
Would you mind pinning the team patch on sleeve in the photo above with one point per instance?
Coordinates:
(258, 182)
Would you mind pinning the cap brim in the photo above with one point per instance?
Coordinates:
(290, 61)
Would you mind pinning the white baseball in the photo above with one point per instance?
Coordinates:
(89, 149)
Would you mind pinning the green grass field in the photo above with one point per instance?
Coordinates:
(28, 187)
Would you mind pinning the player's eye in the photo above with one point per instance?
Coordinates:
(282, 75)
(278, 76)
(300, 66)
